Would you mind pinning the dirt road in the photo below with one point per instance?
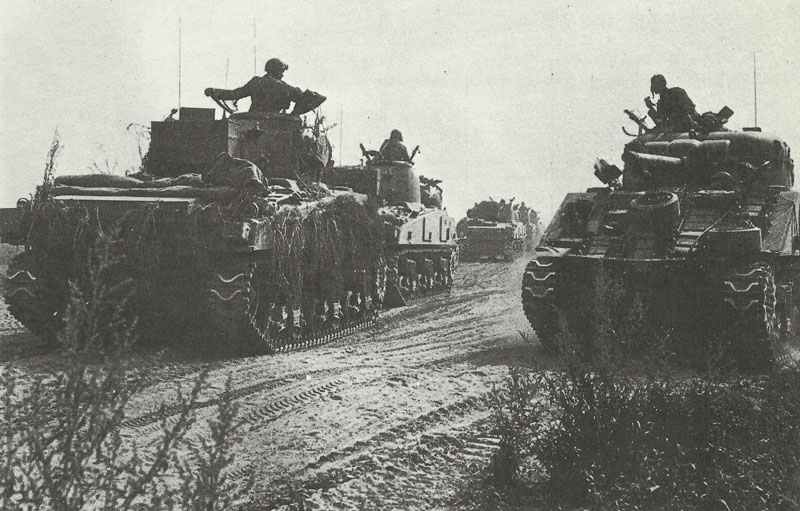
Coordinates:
(392, 417)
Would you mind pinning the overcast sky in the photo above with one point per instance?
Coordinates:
(504, 98)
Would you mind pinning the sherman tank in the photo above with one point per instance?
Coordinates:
(698, 233)
(496, 230)
(227, 236)
(419, 237)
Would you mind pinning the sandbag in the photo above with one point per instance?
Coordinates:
(210, 192)
(98, 180)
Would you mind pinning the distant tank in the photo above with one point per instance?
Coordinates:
(249, 263)
(698, 231)
(419, 240)
(495, 230)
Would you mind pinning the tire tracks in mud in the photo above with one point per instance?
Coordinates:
(362, 457)
(410, 477)
(357, 459)
(233, 394)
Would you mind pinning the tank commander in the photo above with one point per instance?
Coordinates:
(393, 148)
(674, 110)
(268, 94)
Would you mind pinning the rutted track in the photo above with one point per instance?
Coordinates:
(394, 416)
(234, 394)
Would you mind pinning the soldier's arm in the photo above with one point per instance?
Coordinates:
(294, 92)
(233, 94)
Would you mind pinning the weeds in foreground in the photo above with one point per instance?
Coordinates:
(610, 442)
(64, 445)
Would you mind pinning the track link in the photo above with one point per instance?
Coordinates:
(749, 301)
(539, 284)
(241, 309)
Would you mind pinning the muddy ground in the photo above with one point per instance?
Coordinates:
(397, 416)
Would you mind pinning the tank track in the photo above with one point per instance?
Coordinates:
(37, 306)
(413, 273)
(538, 300)
(238, 315)
(749, 299)
(239, 310)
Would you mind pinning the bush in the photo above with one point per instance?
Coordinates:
(61, 447)
(626, 443)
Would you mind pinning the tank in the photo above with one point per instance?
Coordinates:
(226, 236)
(497, 231)
(419, 236)
(697, 234)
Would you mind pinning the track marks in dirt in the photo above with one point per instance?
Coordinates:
(363, 457)
(402, 466)
(234, 394)
(259, 417)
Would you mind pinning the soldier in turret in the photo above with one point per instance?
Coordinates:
(674, 110)
(393, 148)
(268, 93)
(523, 213)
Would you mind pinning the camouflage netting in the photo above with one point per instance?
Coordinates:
(319, 251)
(323, 251)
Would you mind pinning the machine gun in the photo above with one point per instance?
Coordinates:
(640, 122)
(414, 153)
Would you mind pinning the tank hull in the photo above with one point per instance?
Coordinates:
(223, 284)
(502, 241)
(583, 303)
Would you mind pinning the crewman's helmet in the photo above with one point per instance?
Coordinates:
(275, 66)
(396, 135)
(657, 83)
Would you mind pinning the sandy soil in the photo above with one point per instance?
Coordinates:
(395, 417)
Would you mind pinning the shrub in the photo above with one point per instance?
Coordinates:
(626, 443)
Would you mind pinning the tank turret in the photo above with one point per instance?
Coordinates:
(280, 144)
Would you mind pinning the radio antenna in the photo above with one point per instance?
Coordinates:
(227, 70)
(341, 133)
(180, 51)
(254, 45)
(755, 93)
